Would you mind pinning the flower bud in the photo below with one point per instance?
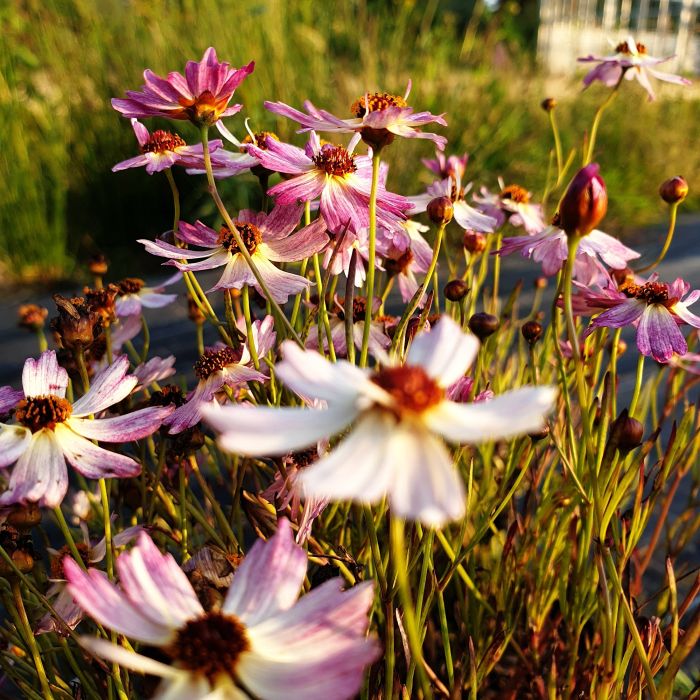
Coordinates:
(548, 104)
(456, 290)
(585, 202)
(440, 210)
(194, 313)
(24, 517)
(32, 317)
(540, 434)
(541, 283)
(474, 241)
(77, 326)
(621, 347)
(98, 265)
(482, 325)
(626, 432)
(532, 332)
(674, 190)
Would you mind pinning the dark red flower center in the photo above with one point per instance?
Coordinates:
(515, 193)
(38, 412)
(161, 141)
(210, 645)
(65, 551)
(411, 388)
(335, 160)
(400, 264)
(215, 360)
(375, 102)
(623, 47)
(249, 233)
(650, 292)
(456, 193)
(303, 458)
(130, 285)
(260, 138)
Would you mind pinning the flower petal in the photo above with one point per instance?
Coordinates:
(658, 335)
(44, 376)
(130, 659)
(110, 386)
(131, 426)
(14, 440)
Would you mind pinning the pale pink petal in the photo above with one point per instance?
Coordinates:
(110, 386)
(44, 376)
(280, 222)
(9, 398)
(131, 426)
(131, 660)
(154, 300)
(269, 579)
(273, 431)
(166, 250)
(307, 241)
(280, 284)
(14, 440)
(445, 352)
(92, 461)
(514, 413)
(658, 335)
(40, 474)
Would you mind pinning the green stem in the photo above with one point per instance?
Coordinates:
(371, 257)
(597, 118)
(176, 199)
(557, 146)
(667, 242)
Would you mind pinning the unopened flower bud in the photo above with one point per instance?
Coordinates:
(103, 301)
(440, 210)
(32, 317)
(674, 190)
(474, 241)
(585, 202)
(456, 290)
(540, 434)
(626, 432)
(541, 283)
(24, 517)
(194, 313)
(532, 331)
(98, 265)
(621, 346)
(77, 326)
(482, 325)
(548, 104)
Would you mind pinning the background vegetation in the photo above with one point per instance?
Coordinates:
(61, 61)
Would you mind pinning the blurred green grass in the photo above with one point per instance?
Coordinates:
(61, 61)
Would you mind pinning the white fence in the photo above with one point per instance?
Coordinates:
(571, 28)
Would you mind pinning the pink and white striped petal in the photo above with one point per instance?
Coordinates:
(110, 386)
(44, 376)
(130, 426)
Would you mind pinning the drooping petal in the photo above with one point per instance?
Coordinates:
(132, 660)
(91, 461)
(44, 376)
(104, 602)
(514, 413)
(110, 386)
(131, 426)
(14, 440)
(273, 431)
(269, 579)
(658, 335)
(40, 475)
(445, 352)
(307, 241)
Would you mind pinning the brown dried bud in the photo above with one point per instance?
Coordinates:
(24, 517)
(585, 202)
(440, 210)
(541, 283)
(482, 325)
(377, 138)
(194, 312)
(32, 317)
(548, 104)
(456, 290)
(532, 331)
(539, 435)
(98, 265)
(626, 432)
(474, 242)
(103, 301)
(23, 560)
(77, 326)
(674, 190)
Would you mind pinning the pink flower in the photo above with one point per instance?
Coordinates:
(163, 149)
(276, 646)
(340, 179)
(222, 366)
(512, 203)
(201, 96)
(379, 117)
(631, 60)
(397, 417)
(50, 430)
(413, 260)
(134, 295)
(450, 166)
(656, 310)
(268, 238)
(550, 248)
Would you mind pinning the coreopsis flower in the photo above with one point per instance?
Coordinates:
(630, 59)
(397, 416)
(222, 366)
(656, 309)
(154, 370)
(414, 260)
(447, 166)
(333, 173)
(262, 638)
(268, 238)
(134, 295)
(550, 248)
(468, 217)
(49, 430)
(512, 203)
(161, 150)
(378, 118)
(338, 254)
(201, 96)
